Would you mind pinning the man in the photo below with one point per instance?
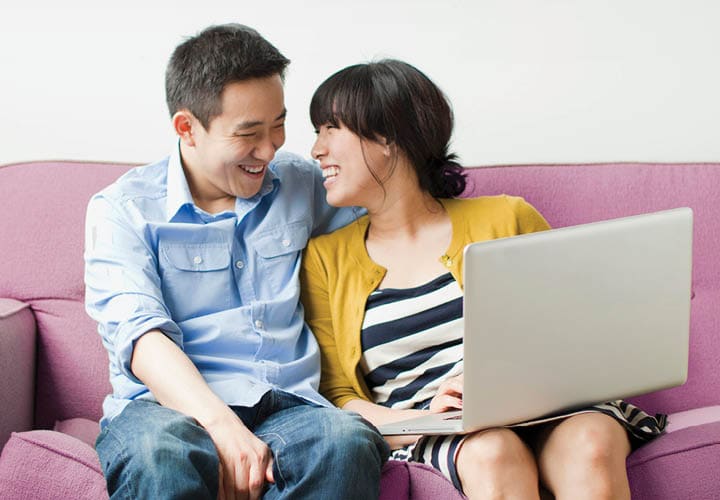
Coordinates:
(192, 274)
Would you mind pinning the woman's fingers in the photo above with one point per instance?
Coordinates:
(445, 402)
(452, 386)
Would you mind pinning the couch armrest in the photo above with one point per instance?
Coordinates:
(17, 367)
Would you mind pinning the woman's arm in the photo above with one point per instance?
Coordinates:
(379, 415)
(448, 397)
(314, 280)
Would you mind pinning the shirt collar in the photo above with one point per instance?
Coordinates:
(178, 191)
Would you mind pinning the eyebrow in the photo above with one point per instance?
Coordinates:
(250, 124)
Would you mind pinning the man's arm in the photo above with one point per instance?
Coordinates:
(123, 294)
(245, 460)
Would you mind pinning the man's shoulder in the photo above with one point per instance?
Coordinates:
(142, 181)
(288, 166)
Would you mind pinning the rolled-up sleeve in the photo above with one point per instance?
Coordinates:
(122, 285)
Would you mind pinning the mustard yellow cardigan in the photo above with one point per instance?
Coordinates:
(337, 277)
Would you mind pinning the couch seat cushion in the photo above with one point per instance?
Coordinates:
(49, 465)
(679, 464)
(62, 465)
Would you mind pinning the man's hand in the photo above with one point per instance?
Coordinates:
(245, 460)
(449, 395)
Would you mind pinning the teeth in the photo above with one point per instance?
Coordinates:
(330, 172)
(252, 169)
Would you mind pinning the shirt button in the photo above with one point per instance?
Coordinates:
(239, 264)
(197, 259)
(285, 242)
(258, 324)
(448, 263)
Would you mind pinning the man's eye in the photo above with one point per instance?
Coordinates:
(281, 125)
(245, 135)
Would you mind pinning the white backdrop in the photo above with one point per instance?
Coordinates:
(531, 81)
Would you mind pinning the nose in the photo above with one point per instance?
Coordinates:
(266, 149)
(318, 150)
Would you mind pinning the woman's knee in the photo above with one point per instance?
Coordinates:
(493, 449)
(596, 442)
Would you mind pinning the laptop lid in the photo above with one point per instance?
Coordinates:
(574, 316)
(571, 317)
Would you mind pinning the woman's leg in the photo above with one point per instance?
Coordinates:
(496, 463)
(584, 457)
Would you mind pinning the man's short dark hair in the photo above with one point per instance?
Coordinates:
(203, 65)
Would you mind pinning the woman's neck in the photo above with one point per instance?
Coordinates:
(405, 215)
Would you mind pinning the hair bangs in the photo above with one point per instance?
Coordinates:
(346, 98)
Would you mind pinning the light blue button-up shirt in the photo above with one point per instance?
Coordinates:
(224, 287)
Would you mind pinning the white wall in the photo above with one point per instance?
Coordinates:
(531, 81)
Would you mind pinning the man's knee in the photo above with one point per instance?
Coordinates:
(347, 434)
(152, 445)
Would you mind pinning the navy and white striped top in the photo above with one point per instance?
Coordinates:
(412, 341)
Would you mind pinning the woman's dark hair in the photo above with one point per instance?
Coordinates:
(395, 100)
(203, 65)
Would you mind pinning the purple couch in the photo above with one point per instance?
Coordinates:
(53, 369)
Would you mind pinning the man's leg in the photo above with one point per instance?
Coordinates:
(321, 452)
(149, 451)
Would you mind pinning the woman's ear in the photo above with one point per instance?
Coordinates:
(388, 148)
(184, 123)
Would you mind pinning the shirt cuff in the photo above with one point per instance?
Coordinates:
(130, 332)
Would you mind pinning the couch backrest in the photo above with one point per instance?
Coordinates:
(41, 245)
(575, 194)
(41, 263)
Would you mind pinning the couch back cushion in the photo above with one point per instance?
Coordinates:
(575, 194)
(42, 233)
(41, 244)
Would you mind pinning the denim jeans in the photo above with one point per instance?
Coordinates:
(153, 452)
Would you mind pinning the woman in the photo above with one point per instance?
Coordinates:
(384, 295)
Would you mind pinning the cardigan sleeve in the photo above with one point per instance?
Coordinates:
(315, 296)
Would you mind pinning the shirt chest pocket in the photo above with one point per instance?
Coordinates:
(196, 278)
(200, 258)
(276, 243)
(278, 253)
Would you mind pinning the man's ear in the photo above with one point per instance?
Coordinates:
(185, 123)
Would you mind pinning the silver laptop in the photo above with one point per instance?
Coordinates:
(570, 317)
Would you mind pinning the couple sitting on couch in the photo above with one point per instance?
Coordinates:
(194, 272)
